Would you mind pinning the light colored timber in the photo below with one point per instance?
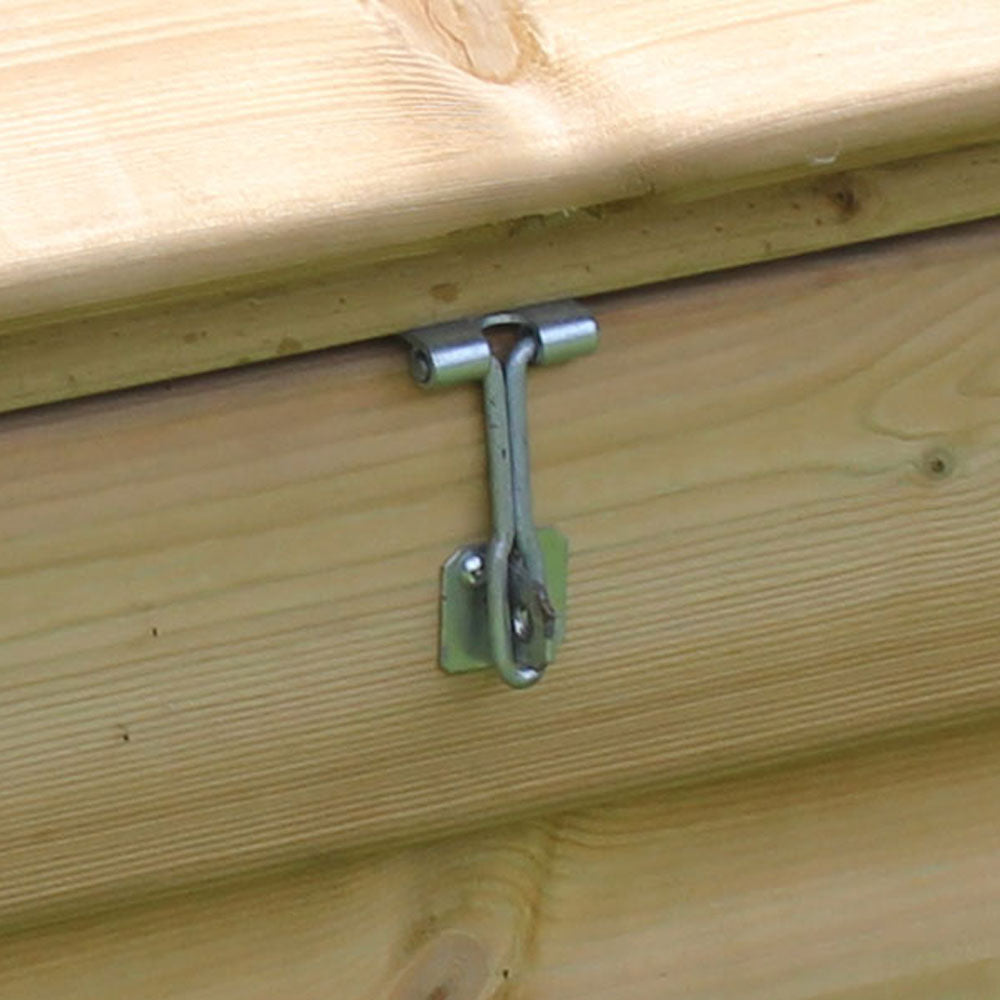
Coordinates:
(150, 147)
(218, 602)
(597, 249)
(875, 877)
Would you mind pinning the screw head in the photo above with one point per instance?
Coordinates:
(473, 569)
(520, 622)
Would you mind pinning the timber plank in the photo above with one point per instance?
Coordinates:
(872, 876)
(600, 248)
(218, 600)
(148, 148)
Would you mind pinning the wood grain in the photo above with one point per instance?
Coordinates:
(597, 249)
(873, 877)
(218, 600)
(148, 148)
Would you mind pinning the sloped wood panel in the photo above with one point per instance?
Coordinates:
(149, 148)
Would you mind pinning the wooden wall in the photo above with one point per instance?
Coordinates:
(218, 604)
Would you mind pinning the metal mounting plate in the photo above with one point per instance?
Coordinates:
(465, 643)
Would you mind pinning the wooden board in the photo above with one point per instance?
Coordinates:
(535, 258)
(218, 601)
(875, 877)
(150, 148)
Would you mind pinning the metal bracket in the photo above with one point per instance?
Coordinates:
(503, 603)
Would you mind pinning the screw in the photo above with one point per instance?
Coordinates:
(520, 622)
(473, 569)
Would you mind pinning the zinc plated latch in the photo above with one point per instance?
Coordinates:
(503, 603)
